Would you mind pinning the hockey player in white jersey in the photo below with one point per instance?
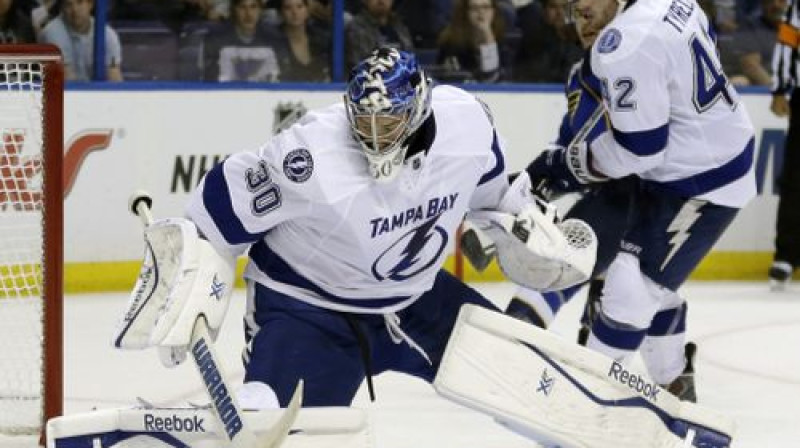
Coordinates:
(347, 217)
(672, 120)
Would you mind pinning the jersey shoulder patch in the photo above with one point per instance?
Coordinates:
(609, 41)
(298, 165)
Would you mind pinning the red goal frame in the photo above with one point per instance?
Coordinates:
(53, 216)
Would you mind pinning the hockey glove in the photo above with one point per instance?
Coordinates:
(563, 170)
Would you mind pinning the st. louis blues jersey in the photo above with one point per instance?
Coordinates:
(675, 119)
(581, 104)
(320, 229)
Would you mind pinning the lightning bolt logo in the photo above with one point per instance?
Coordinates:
(400, 264)
(684, 220)
(410, 254)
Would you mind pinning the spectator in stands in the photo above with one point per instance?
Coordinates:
(754, 42)
(473, 41)
(375, 25)
(549, 45)
(425, 19)
(73, 32)
(172, 13)
(15, 26)
(218, 10)
(726, 45)
(725, 18)
(746, 8)
(42, 12)
(242, 49)
(305, 55)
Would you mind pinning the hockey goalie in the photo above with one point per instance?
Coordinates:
(346, 218)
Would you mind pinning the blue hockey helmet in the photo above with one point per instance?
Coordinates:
(388, 97)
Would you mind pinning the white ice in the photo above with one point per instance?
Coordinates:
(748, 366)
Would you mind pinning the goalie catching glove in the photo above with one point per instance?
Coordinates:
(535, 250)
(182, 278)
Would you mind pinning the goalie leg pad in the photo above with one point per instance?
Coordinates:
(563, 394)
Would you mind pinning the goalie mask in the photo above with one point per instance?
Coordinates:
(388, 97)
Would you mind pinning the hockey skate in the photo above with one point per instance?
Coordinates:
(779, 275)
(683, 386)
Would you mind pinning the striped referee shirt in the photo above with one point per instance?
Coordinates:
(785, 57)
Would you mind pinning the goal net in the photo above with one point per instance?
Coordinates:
(31, 248)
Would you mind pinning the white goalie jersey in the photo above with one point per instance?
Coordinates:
(318, 227)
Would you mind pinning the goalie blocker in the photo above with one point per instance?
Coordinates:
(561, 394)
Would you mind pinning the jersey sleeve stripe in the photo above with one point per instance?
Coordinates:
(217, 200)
(274, 267)
(713, 179)
(499, 165)
(643, 143)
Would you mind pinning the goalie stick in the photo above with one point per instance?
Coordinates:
(215, 381)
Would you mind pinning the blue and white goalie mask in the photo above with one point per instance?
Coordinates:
(388, 98)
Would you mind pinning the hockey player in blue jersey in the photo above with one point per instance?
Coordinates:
(675, 126)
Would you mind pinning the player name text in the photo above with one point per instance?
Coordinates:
(679, 13)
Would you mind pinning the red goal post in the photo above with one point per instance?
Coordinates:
(31, 237)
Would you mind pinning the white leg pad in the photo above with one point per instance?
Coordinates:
(562, 394)
(255, 395)
(332, 427)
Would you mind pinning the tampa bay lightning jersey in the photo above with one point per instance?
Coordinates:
(675, 118)
(316, 225)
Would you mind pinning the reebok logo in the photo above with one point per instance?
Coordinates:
(173, 423)
(635, 382)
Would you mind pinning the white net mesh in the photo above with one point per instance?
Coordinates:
(21, 251)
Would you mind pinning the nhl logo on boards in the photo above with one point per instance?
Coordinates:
(609, 41)
(298, 165)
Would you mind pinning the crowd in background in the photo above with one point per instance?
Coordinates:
(290, 40)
